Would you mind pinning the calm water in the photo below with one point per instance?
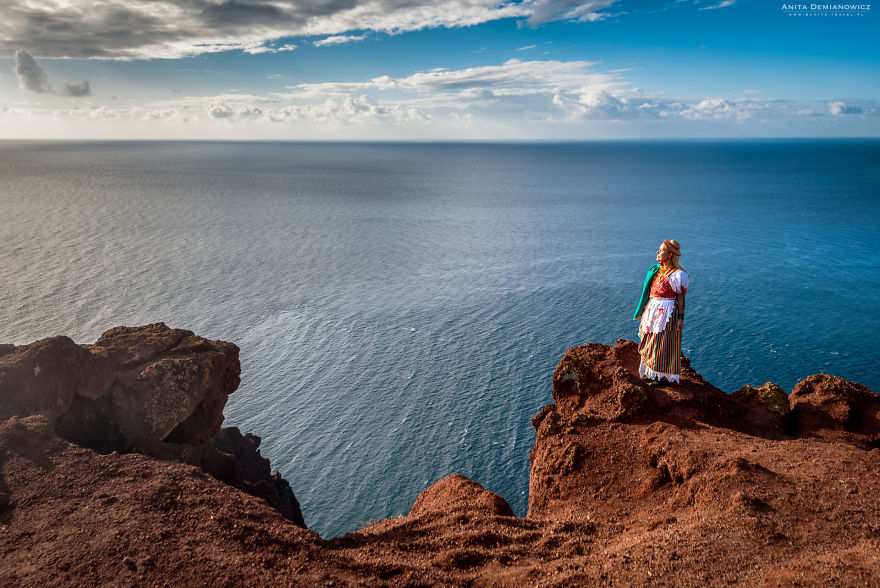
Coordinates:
(401, 308)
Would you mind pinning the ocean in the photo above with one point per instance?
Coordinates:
(401, 307)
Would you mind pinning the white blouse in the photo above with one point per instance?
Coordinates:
(679, 281)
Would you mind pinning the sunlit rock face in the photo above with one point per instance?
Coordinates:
(151, 390)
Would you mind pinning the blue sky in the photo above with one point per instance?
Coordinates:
(440, 69)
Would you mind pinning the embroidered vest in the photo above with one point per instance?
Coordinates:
(660, 287)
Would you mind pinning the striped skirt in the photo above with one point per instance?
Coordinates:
(661, 352)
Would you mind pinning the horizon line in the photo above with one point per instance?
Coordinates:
(449, 141)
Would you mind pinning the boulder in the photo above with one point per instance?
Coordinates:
(46, 375)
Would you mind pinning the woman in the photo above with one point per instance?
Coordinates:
(661, 310)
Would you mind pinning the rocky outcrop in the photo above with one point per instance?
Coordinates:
(136, 387)
(457, 492)
(630, 485)
(688, 485)
(831, 408)
(151, 390)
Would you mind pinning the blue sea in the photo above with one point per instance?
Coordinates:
(400, 308)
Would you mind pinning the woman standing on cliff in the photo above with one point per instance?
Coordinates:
(661, 310)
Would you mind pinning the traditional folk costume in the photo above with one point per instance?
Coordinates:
(660, 347)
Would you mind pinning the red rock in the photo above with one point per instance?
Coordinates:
(73, 517)
(136, 345)
(42, 377)
(142, 386)
(457, 492)
(150, 389)
(836, 409)
(630, 485)
(235, 459)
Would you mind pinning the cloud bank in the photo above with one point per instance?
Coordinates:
(515, 94)
(511, 100)
(147, 29)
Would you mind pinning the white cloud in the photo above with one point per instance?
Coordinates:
(260, 48)
(163, 115)
(543, 11)
(712, 107)
(514, 90)
(220, 110)
(723, 4)
(101, 112)
(513, 75)
(250, 112)
(531, 90)
(350, 110)
(339, 40)
(207, 102)
(599, 104)
(721, 108)
(323, 89)
(840, 108)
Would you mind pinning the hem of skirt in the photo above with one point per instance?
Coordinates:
(647, 372)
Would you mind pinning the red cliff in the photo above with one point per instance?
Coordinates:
(629, 484)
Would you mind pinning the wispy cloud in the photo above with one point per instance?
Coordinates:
(722, 4)
(511, 77)
(544, 11)
(339, 40)
(257, 49)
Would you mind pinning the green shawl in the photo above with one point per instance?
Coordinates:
(646, 289)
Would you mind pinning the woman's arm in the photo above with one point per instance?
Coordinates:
(679, 301)
(679, 282)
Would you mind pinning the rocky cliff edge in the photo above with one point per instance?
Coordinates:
(114, 470)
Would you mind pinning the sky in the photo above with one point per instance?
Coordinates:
(437, 69)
